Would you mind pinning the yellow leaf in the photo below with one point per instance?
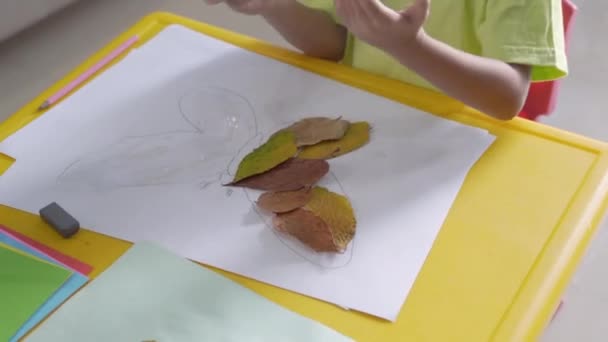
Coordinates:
(336, 211)
(356, 136)
(325, 224)
(279, 148)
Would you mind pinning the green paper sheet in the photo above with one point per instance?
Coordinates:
(150, 294)
(26, 282)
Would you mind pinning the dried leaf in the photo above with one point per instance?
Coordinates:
(293, 174)
(284, 201)
(325, 224)
(356, 136)
(311, 131)
(336, 211)
(306, 227)
(279, 148)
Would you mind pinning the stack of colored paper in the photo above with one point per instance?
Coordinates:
(34, 281)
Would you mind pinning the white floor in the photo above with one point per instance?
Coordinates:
(34, 59)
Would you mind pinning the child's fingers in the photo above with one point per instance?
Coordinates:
(344, 11)
(338, 5)
(376, 11)
(244, 6)
(354, 14)
(423, 6)
(417, 12)
(236, 3)
(252, 6)
(358, 11)
(371, 8)
(341, 8)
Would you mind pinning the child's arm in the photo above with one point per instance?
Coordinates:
(494, 87)
(309, 30)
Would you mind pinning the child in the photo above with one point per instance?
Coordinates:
(484, 53)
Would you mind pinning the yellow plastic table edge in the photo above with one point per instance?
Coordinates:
(540, 294)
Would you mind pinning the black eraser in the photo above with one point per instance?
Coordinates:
(60, 220)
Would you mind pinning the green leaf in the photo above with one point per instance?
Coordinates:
(279, 148)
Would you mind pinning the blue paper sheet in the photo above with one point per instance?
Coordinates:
(75, 282)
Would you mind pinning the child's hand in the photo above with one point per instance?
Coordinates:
(381, 26)
(251, 7)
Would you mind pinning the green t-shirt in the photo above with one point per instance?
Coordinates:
(526, 32)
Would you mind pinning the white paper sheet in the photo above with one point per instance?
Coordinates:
(140, 153)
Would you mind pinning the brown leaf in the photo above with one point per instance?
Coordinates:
(311, 131)
(284, 201)
(306, 227)
(293, 174)
(325, 224)
(356, 136)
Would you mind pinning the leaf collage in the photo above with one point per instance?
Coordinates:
(288, 167)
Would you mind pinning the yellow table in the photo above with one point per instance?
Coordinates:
(504, 255)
